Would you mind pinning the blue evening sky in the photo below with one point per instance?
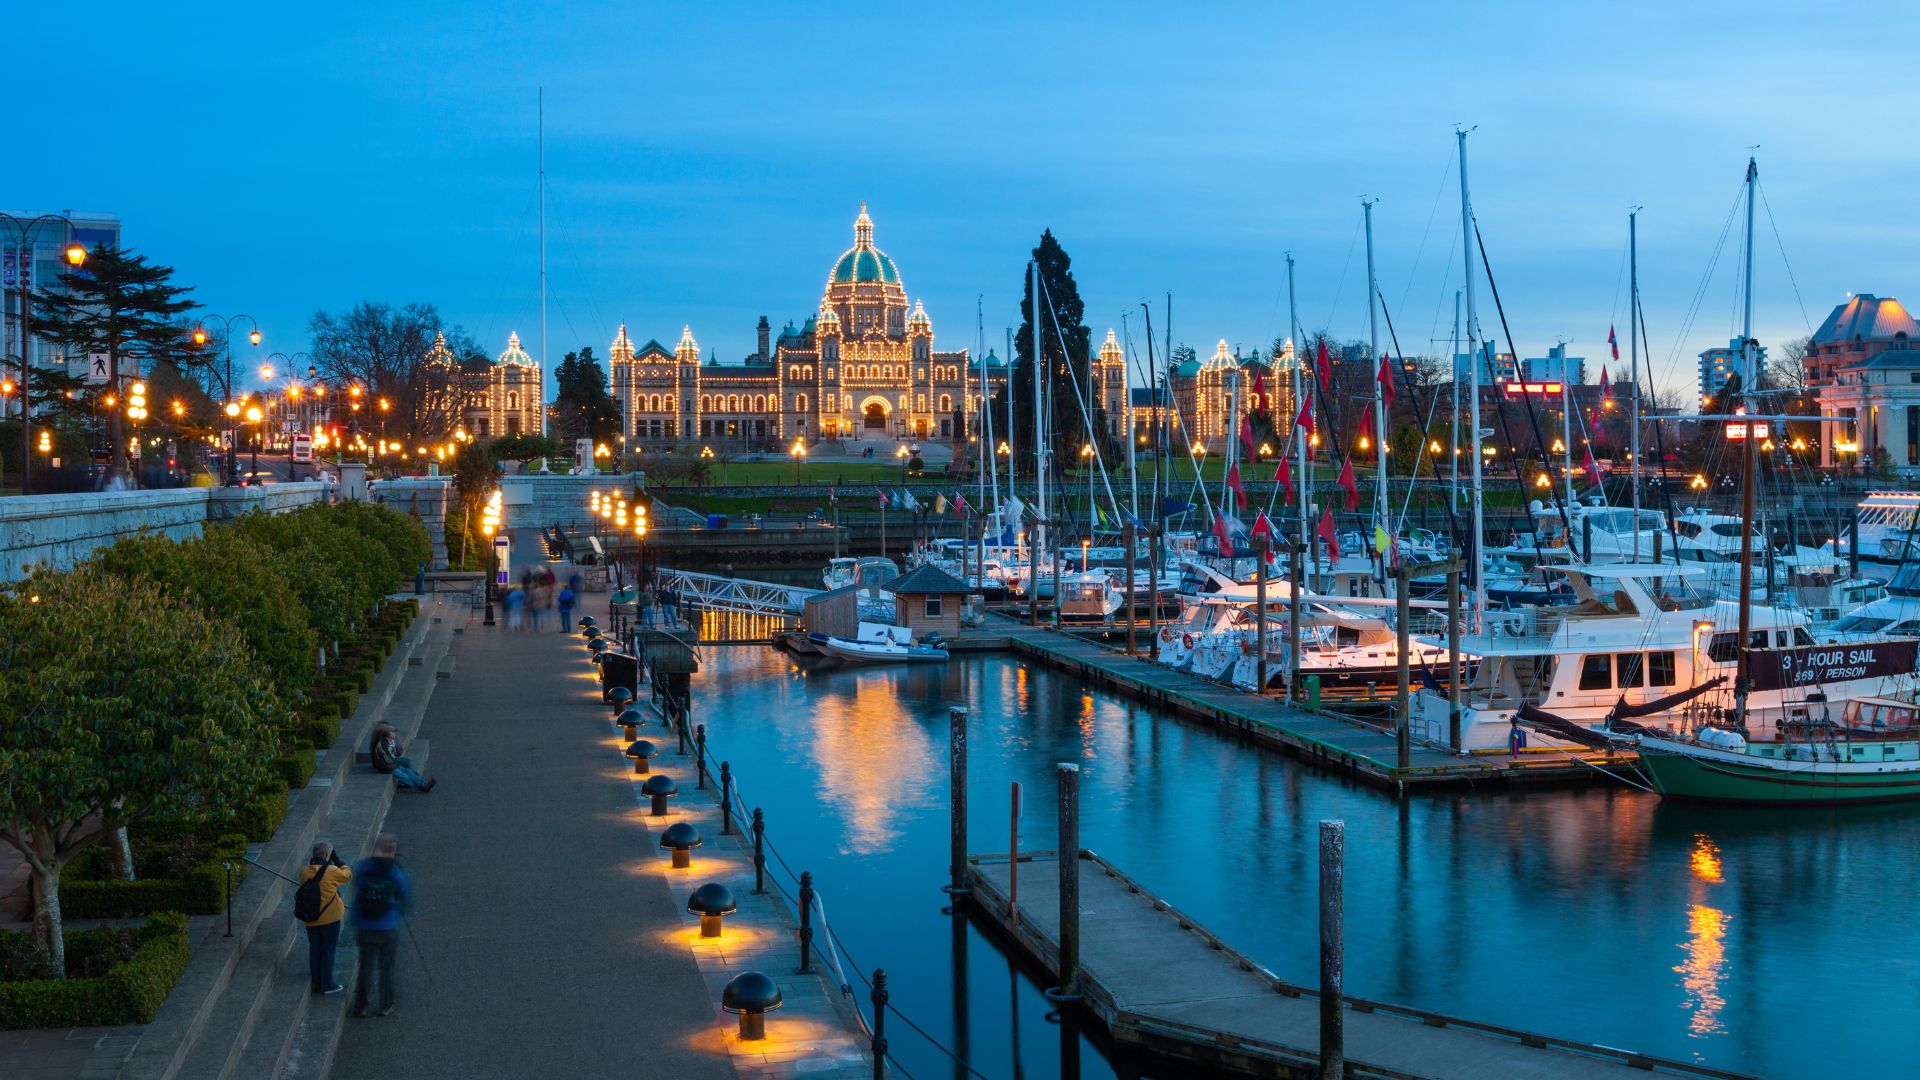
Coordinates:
(705, 161)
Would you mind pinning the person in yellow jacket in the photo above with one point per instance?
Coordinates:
(323, 931)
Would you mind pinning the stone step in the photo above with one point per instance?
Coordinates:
(220, 1006)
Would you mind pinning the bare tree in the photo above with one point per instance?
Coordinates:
(379, 348)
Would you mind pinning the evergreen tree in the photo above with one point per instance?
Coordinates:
(583, 408)
(123, 306)
(1066, 351)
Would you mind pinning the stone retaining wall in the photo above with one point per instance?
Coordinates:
(60, 530)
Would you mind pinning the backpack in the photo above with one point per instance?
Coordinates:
(306, 899)
(378, 893)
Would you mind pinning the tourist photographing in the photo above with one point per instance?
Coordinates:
(317, 903)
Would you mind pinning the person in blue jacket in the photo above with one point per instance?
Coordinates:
(382, 897)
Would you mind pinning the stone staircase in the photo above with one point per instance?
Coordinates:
(243, 1009)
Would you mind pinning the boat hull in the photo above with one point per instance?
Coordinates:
(1723, 778)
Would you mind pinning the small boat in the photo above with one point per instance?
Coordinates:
(1871, 755)
(878, 652)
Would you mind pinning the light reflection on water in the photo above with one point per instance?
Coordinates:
(1553, 911)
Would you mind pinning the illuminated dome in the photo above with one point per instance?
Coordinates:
(515, 354)
(863, 262)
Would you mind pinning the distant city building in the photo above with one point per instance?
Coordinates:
(1717, 365)
(1556, 366)
(44, 260)
(1495, 367)
(1864, 368)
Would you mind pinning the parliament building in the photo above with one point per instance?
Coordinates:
(863, 366)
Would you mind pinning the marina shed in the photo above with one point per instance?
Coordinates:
(835, 612)
(928, 599)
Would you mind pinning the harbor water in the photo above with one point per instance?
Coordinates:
(1738, 938)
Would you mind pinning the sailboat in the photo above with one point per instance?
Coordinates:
(1869, 752)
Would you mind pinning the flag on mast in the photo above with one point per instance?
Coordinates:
(1222, 534)
(1326, 533)
(1283, 475)
(1614, 344)
(1239, 490)
(1349, 485)
(1386, 384)
(1305, 419)
(1323, 367)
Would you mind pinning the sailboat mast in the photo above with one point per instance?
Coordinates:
(989, 463)
(1473, 396)
(1566, 426)
(1125, 419)
(1749, 459)
(542, 132)
(1633, 348)
(1453, 361)
(1039, 423)
(1013, 468)
(1300, 433)
(1379, 403)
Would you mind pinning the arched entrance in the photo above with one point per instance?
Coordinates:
(873, 414)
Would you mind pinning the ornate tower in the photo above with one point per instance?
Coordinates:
(1110, 371)
(620, 376)
(686, 356)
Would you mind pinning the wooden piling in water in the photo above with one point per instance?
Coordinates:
(1332, 950)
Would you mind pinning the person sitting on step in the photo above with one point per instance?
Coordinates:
(385, 752)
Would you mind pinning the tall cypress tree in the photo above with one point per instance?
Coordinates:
(583, 408)
(123, 306)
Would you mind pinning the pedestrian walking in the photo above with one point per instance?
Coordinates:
(317, 904)
(516, 603)
(382, 898)
(565, 602)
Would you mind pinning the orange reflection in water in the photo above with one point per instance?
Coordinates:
(1704, 968)
(873, 759)
(1705, 860)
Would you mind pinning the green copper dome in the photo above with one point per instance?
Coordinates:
(865, 264)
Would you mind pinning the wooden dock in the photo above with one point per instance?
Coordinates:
(1168, 989)
(1364, 750)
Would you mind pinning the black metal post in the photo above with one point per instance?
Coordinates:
(879, 1024)
(726, 798)
(759, 853)
(674, 709)
(806, 924)
(229, 865)
(700, 756)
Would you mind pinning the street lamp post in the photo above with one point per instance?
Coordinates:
(76, 255)
(254, 417)
(233, 410)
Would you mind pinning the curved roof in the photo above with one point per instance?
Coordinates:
(515, 354)
(863, 262)
(1868, 318)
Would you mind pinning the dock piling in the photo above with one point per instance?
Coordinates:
(879, 1024)
(957, 799)
(759, 853)
(1332, 950)
(805, 905)
(700, 757)
(726, 798)
(1013, 856)
(1069, 862)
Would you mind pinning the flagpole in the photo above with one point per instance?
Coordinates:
(1299, 432)
(1453, 360)
(1126, 420)
(1566, 428)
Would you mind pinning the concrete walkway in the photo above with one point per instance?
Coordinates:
(544, 944)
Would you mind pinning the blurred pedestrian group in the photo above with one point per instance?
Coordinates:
(531, 603)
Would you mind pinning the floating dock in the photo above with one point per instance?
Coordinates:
(1168, 989)
(1364, 750)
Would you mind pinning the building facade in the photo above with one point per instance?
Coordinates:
(863, 366)
(1864, 369)
(1717, 365)
(487, 399)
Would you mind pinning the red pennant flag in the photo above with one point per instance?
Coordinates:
(1239, 492)
(1349, 485)
(1324, 367)
(1283, 475)
(1262, 528)
(1386, 383)
(1613, 343)
(1220, 532)
(1327, 534)
(1259, 391)
(1305, 419)
(1592, 468)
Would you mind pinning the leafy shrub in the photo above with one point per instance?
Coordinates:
(179, 868)
(314, 734)
(296, 768)
(129, 992)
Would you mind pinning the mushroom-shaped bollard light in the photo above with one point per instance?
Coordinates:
(587, 624)
(753, 996)
(631, 720)
(620, 697)
(710, 902)
(596, 645)
(681, 838)
(642, 752)
(659, 787)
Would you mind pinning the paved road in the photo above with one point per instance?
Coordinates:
(549, 952)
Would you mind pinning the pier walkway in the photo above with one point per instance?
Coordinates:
(1364, 750)
(1166, 987)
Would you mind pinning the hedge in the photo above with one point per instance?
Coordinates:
(261, 815)
(313, 734)
(296, 768)
(131, 992)
(201, 891)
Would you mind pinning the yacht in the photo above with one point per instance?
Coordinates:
(1643, 635)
